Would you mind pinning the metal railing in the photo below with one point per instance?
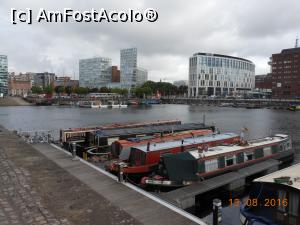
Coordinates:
(39, 136)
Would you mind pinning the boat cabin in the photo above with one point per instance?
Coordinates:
(151, 152)
(274, 199)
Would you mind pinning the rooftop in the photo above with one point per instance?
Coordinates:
(291, 50)
(186, 142)
(292, 172)
(166, 128)
(223, 56)
(232, 148)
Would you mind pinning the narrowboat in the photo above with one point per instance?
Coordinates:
(145, 158)
(274, 199)
(120, 149)
(199, 164)
(124, 145)
(71, 134)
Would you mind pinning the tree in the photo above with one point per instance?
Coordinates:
(36, 90)
(59, 89)
(69, 90)
(48, 89)
(104, 90)
(119, 91)
(93, 90)
(81, 90)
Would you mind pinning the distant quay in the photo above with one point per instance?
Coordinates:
(13, 101)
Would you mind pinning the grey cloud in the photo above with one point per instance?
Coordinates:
(252, 29)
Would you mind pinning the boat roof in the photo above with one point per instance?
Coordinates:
(186, 142)
(292, 172)
(221, 149)
(150, 129)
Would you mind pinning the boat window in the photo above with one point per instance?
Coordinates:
(230, 161)
(249, 156)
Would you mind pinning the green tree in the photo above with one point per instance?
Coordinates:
(48, 89)
(59, 89)
(36, 90)
(104, 90)
(69, 90)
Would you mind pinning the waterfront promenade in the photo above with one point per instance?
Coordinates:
(13, 101)
(36, 190)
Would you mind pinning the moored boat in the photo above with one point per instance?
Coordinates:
(121, 148)
(89, 104)
(193, 166)
(294, 108)
(145, 158)
(274, 199)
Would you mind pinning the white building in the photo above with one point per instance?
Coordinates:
(141, 76)
(128, 66)
(94, 72)
(214, 74)
(3, 75)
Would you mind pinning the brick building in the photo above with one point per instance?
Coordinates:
(285, 70)
(65, 82)
(19, 85)
(115, 74)
(263, 82)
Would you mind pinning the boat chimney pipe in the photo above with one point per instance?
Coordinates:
(148, 146)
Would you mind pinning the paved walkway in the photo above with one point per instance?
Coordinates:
(35, 191)
(42, 185)
(19, 201)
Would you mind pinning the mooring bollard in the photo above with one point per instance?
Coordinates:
(74, 156)
(217, 211)
(49, 138)
(120, 173)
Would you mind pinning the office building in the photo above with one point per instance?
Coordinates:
(141, 76)
(3, 75)
(128, 67)
(263, 83)
(94, 72)
(220, 75)
(115, 74)
(44, 79)
(285, 70)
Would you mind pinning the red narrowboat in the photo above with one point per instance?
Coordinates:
(144, 159)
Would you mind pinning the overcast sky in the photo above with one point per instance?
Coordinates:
(252, 29)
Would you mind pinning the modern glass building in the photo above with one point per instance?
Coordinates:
(94, 72)
(220, 75)
(128, 67)
(141, 76)
(3, 75)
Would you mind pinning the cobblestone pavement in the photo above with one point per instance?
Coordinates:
(35, 191)
(19, 201)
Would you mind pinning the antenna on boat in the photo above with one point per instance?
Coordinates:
(296, 44)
